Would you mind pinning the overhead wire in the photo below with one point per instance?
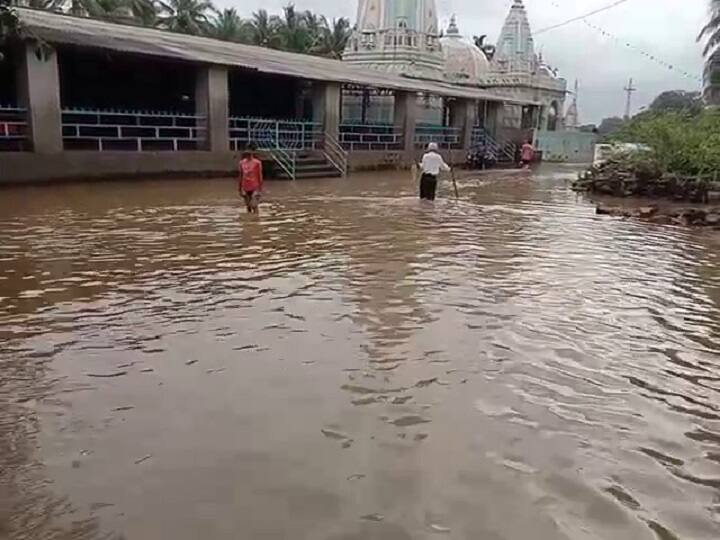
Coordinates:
(620, 41)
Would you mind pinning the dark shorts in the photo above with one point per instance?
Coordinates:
(428, 187)
(525, 162)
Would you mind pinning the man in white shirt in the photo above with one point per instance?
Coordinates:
(432, 164)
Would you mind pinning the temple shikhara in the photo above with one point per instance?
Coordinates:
(404, 37)
(81, 97)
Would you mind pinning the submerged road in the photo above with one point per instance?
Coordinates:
(354, 365)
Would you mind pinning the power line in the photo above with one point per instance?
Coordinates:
(581, 17)
(623, 42)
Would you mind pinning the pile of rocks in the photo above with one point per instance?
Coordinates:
(623, 178)
(699, 217)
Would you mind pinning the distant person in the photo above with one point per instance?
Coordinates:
(431, 165)
(527, 155)
(250, 183)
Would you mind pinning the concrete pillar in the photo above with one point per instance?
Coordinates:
(326, 107)
(463, 115)
(38, 84)
(212, 102)
(405, 119)
(499, 119)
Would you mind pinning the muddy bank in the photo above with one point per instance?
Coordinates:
(630, 177)
(668, 214)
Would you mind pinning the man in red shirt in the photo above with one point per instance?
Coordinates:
(251, 180)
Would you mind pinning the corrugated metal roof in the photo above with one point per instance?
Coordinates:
(64, 29)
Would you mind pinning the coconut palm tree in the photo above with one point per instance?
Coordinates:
(711, 35)
(314, 24)
(229, 26)
(128, 11)
(49, 5)
(293, 30)
(264, 30)
(84, 8)
(186, 16)
(332, 40)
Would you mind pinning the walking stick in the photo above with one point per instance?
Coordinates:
(452, 172)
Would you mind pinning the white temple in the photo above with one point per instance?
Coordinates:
(403, 36)
(464, 62)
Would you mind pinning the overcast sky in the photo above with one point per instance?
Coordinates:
(663, 28)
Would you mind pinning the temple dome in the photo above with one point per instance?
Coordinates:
(464, 62)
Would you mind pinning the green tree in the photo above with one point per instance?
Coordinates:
(610, 125)
(264, 30)
(678, 101)
(186, 16)
(84, 8)
(293, 31)
(48, 5)
(229, 26)
(142, 12)
(681, 143)
(711, 35)
(332, 40)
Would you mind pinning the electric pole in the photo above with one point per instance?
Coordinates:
(629, 89)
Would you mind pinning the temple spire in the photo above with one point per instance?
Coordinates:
(515, 51)
(572, 119)
(453, 29)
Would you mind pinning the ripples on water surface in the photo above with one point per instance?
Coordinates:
(354, 365)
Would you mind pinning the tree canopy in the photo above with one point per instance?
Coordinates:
(293, 30)
(678, 101)
(710, 34)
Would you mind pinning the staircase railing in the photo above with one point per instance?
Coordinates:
(335, 154)
(503, 150)
(265, 135)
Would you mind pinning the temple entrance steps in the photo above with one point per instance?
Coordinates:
(310, 164)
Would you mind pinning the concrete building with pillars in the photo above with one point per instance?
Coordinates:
(82, 98)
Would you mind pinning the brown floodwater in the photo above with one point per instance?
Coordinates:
(354, 364)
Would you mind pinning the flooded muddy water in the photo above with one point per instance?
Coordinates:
(354, 364)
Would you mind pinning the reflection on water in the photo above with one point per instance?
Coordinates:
(354, 364)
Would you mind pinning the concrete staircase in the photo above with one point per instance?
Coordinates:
(311, 165)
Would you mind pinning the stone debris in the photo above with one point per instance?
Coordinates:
(332, 434)
(373, 517)
(107, 375)
(696, 217)
(406, 421)
(623, 177)
(364, 401)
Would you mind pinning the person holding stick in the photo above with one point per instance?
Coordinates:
(431, 166)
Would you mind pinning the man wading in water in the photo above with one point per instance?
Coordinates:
(251, 180)
(432, 164)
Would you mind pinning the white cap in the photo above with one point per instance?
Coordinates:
(433, 146)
